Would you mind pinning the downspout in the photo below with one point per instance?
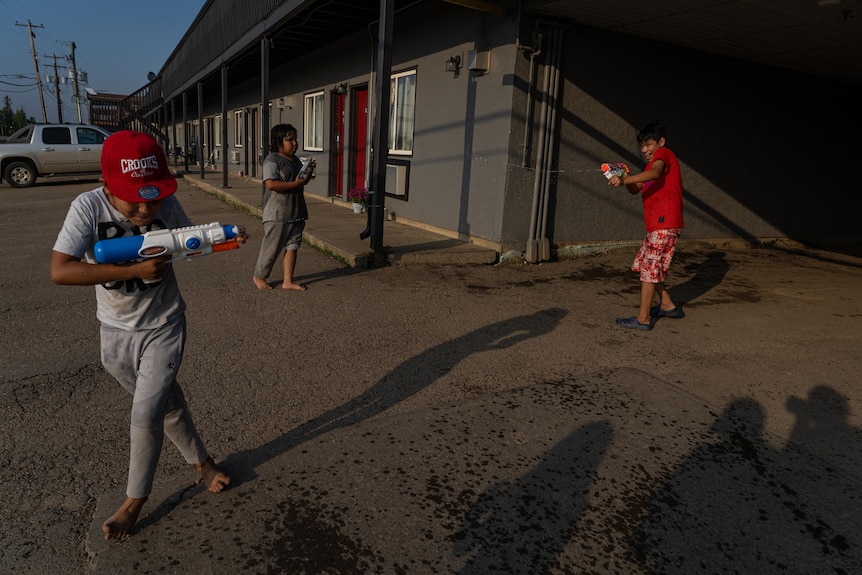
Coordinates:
(532, 243)
(544, 242)
(528, 124)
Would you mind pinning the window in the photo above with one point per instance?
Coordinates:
(89, 136)
(313, 132)
(22, 136)
(238, 129)
(402, 112)
(217, 130)
(56, 136)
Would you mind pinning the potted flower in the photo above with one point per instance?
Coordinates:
(359, 197)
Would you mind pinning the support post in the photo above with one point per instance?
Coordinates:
(185, 134)
(380, 139)
(174, 129)
(199, 148)
(223, 127)
(264, 109)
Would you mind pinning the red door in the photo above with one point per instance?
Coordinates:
(359, 143)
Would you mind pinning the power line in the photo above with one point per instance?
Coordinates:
(5, 91)
(12, 9)
(17, 85)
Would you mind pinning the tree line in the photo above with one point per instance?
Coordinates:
(12, 121)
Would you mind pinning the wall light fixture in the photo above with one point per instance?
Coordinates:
(453, 63)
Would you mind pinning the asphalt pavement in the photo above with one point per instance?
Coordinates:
(444, 417)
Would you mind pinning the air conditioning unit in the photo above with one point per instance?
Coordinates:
(234, 156)
(397, 176)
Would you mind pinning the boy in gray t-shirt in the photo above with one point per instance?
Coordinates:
(140, 308)
(284, 207)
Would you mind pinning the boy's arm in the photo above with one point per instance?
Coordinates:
(279, 186)
(273, 183)
(69, 270)
(634, 182)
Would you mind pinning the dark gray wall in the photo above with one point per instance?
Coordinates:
(764, 152)
(458, 175)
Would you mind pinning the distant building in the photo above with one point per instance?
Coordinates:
(107, 110)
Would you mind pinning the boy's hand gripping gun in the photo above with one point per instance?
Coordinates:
(180, 243)
(618, 169)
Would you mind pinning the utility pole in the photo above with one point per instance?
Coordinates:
(36, 65)
(76, 93)
(57, 92)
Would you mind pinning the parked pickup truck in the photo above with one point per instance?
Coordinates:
(44, 150)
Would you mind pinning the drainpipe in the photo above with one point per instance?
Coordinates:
(532, 243)
(544, 242)
(528, 124)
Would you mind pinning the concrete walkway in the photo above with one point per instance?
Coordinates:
(334, 227)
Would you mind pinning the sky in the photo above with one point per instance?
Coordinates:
(117, 43)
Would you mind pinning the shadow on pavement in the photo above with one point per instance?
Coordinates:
(409, 378)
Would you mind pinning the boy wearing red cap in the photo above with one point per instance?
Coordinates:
(140, 308)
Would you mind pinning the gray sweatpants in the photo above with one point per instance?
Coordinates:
(277, 236)
(146, 363)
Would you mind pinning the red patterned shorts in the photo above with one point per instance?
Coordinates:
(655, 254)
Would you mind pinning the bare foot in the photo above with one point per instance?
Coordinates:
(261, 283)
(297, 287)
(212, 476)
(118, 525)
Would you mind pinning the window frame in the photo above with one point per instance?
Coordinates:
(217, 119)
(314, 113)
(238, 128)
(394, 103)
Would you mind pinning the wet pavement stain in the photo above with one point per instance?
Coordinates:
(311, 540)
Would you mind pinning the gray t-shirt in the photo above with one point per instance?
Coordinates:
(285, 206)
(131, 304)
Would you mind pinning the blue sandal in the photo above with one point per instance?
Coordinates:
(633, 323)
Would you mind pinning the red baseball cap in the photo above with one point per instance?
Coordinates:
(135, 168)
